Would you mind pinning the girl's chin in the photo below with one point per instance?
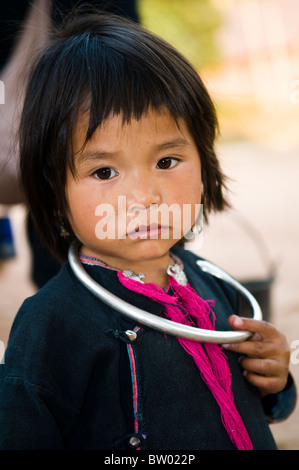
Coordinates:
(129, 250)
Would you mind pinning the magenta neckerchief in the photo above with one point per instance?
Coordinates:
(210, 359)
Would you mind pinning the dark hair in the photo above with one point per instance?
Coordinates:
(104, 64)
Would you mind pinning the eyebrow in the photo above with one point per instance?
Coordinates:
(179, 142)
(101, 155)
(94, 155)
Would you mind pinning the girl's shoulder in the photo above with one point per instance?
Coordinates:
(59, 294)
(61, 305)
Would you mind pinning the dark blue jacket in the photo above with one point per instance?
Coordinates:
(72, 379)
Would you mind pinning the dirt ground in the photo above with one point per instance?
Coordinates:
(262, 230)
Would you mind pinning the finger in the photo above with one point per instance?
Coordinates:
(262, 329)
(264, 384)
(264, 367)
(253, 348)
(269, 375)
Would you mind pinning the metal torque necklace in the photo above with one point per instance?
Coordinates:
(162, 324)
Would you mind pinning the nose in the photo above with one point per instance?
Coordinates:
(142, 192)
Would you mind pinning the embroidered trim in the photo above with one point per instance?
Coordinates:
(95, 261)
(132, 360)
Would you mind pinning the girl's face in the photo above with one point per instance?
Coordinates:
(126, 201)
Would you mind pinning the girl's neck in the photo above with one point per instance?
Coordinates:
(154, 270)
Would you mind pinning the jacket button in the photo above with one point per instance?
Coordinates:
(131, 335)
(134, 442)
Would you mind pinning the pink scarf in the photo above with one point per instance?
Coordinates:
(209, 357)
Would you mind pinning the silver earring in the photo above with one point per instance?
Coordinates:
(197, 228)
(194, 238)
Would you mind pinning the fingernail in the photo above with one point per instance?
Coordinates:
(237, 321)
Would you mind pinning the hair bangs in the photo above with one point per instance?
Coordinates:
(114, 84)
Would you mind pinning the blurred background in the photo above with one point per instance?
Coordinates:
(247, 52)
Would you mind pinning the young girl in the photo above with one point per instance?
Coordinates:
(115, 114)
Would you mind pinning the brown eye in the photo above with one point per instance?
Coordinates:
(105, 173)
(167, 162)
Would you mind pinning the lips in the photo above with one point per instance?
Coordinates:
(143, 232)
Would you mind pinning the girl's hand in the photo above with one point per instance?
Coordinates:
(266, 354)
